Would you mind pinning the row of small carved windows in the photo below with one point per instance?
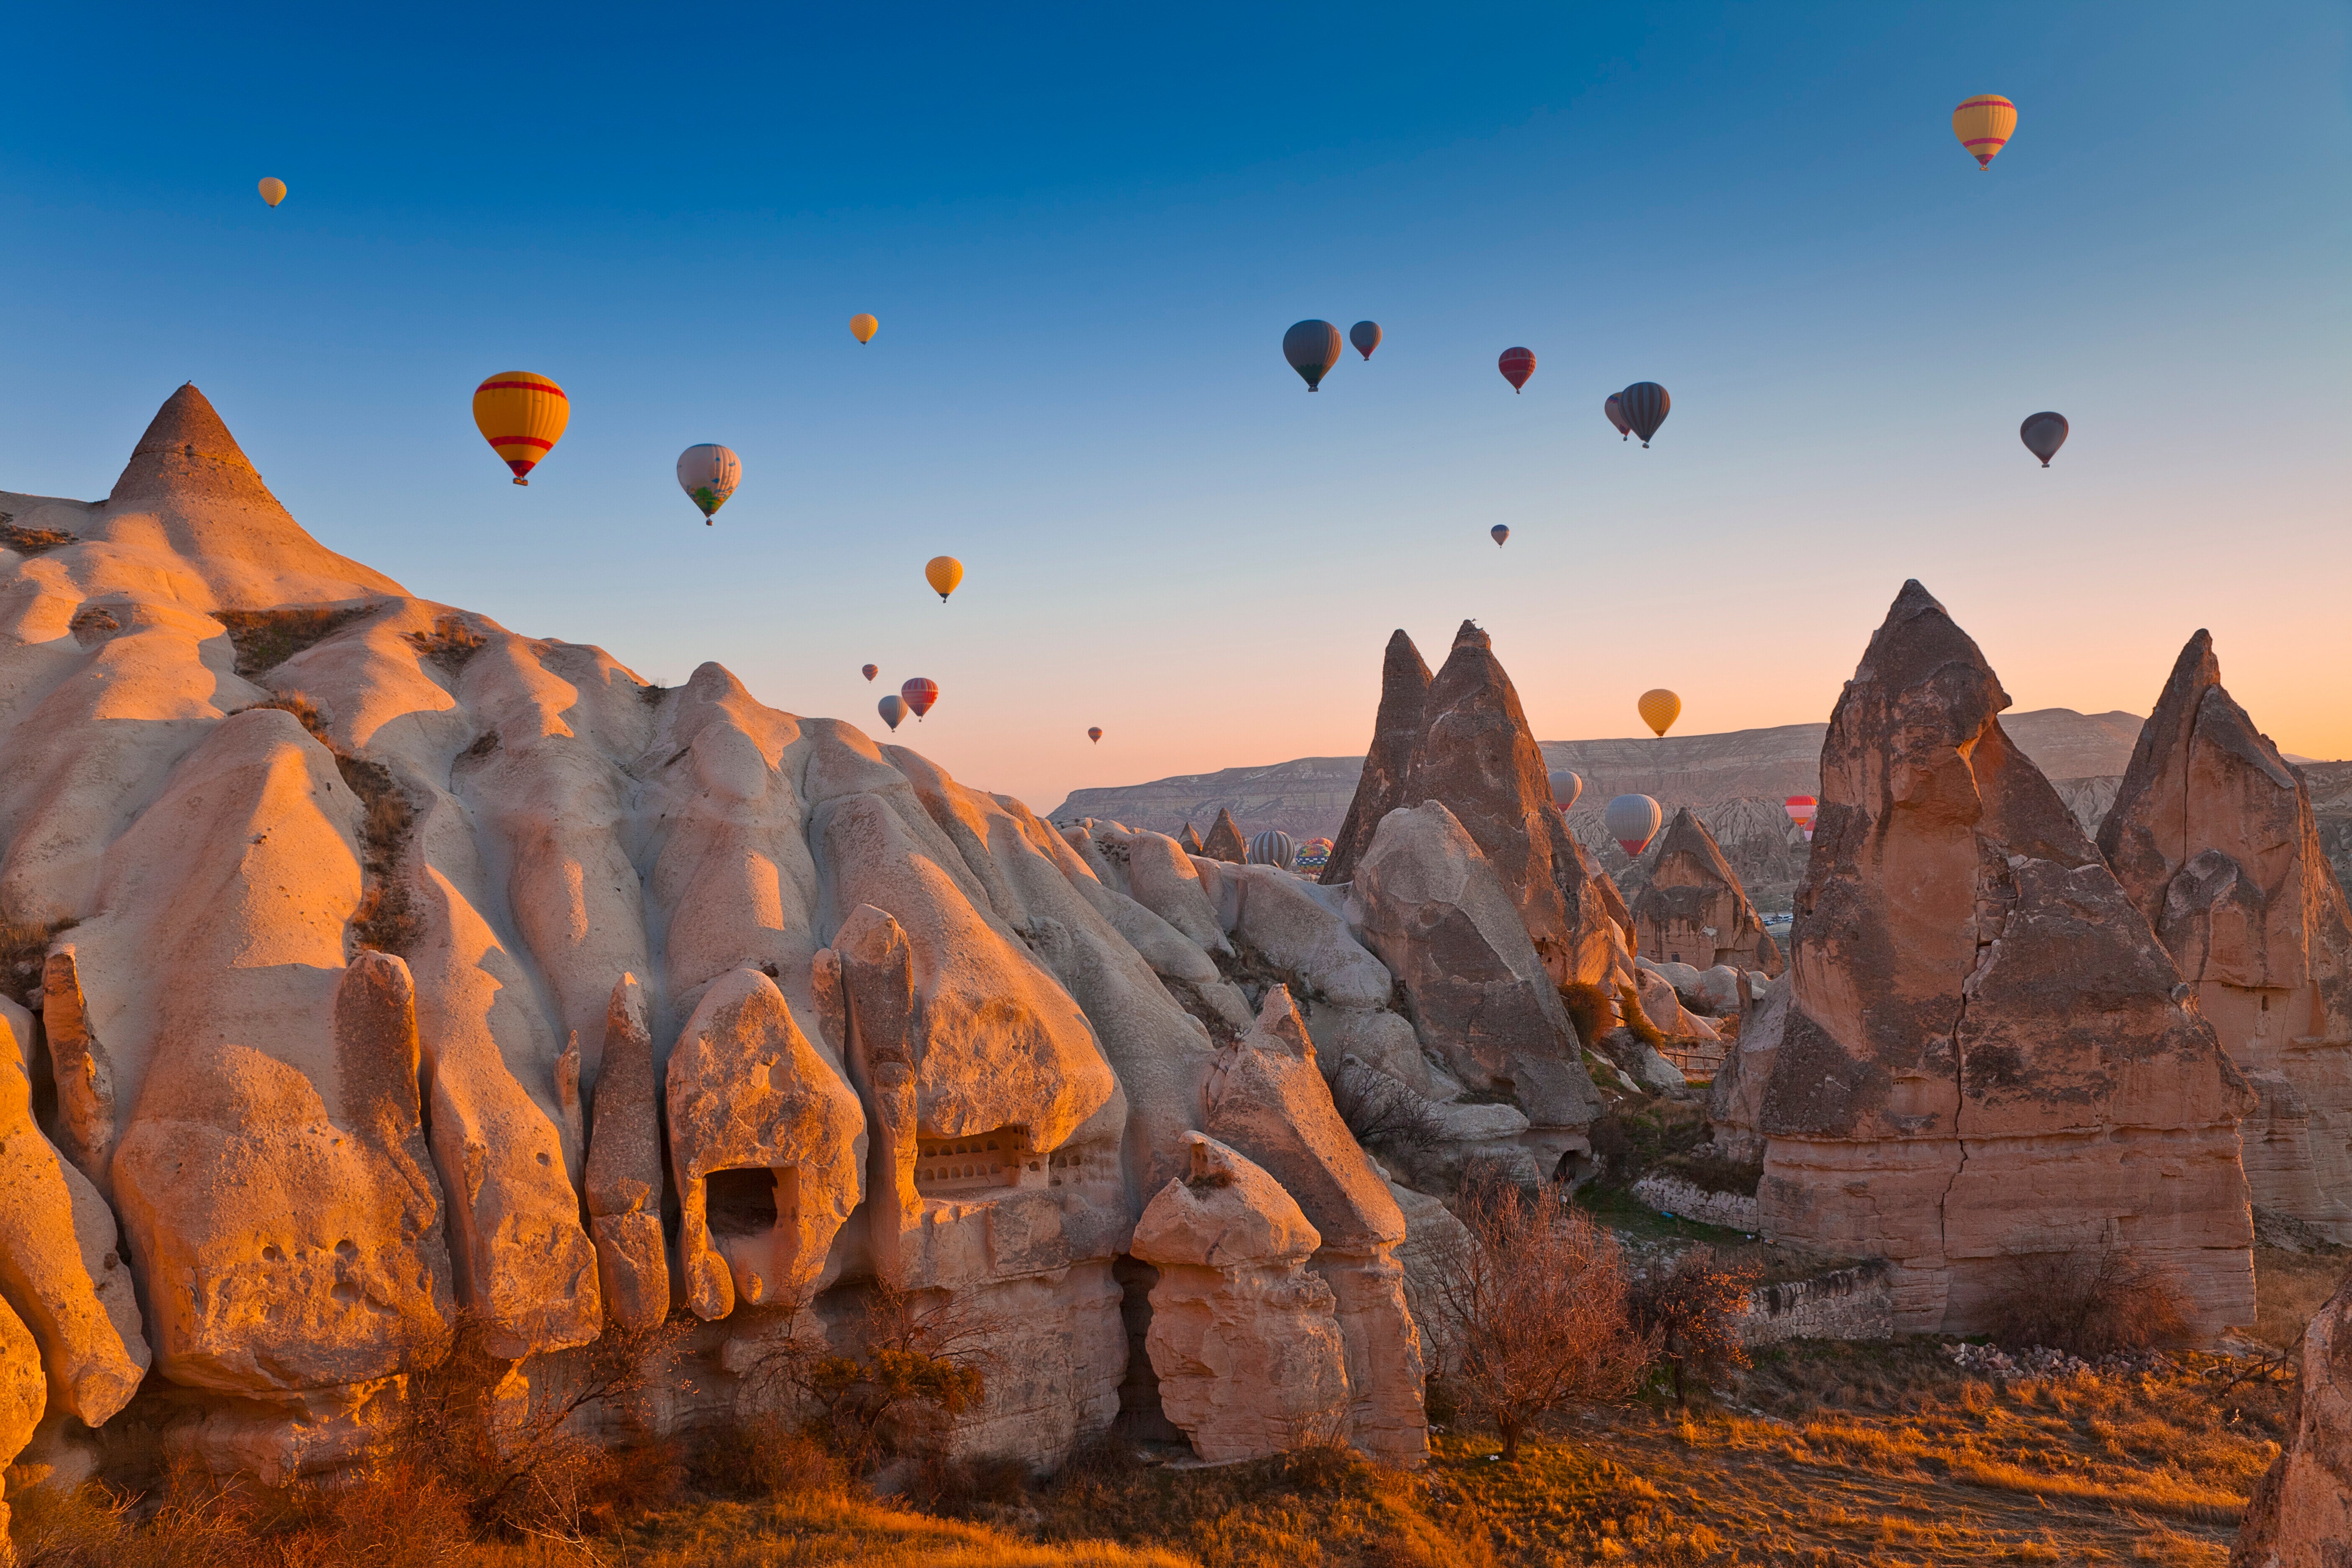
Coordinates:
(978, 1161)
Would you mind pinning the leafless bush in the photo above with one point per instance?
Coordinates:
(916, 1349)
(450, 642)
(1384, 1114)
(1531, 1311)
(2087, 1302)
(31, 541)
(1692, 1308)
(264, 640)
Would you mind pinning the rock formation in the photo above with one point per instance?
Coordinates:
(2300, 1515)
(1692, 910)
(624, 1168)
(1188, 841)
(1225, 841)
(1244, 1338)
(1937, 1098)
(1268, 1101)
(2212, 836)
(1388, 767)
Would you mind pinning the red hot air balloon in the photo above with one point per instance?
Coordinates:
(1517, 365)
(1366, 336)
(1801, 809)
(1095, 734)
(871, 670)
(920, 694)
(1615, 409)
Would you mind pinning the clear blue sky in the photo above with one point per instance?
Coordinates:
(1084, 230)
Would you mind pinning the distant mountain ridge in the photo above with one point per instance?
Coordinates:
(1736, 781)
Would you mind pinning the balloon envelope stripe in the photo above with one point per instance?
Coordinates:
(523, 386)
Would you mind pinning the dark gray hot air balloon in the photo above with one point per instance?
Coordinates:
(892, 708)
(1644, 405)
(1501, 532)
(2043, 434)
(1312, 348)
(1272, 847)
(1366, 336)
(1632, 821)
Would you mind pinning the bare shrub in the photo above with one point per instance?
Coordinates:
(29, 541)
(2089, 1302)
(23, 949)
(1588, 1008)
(1692, 1308)
(916, 1349)
(1629, 1007)
(1384, 1114)
(1531, 1311)
(306, 713)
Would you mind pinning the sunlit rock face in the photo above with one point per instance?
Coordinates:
(2300, 1515)
(2212, 836)
(1988, 1051)
(404, 971)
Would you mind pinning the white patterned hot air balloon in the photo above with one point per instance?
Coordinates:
(1272, 847)
(708, 474)
(1633, 821)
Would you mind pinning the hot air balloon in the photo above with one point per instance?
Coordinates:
(1517, 365)
(892, 708)
(1615, 409)
(1983, 125)
(1366, 336)
(1644, 405)
(1312, 856)
(2043, 434)
(870, 671)
(1633, 821)
(523, 417)
(708, 474)
(1565, 785)
(1659, 709)
(273, 191)
(1312, 348)
(1500, 533)
(943, 573)
(1272, 847)
(1801, 808)
(1095, 734)
(920, 694)
(863, 327)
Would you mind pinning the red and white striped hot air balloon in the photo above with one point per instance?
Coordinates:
(920, 694)
(1801, 809)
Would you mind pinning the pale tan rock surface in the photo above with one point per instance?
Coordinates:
(768, 1145)
(60, 1264)
(1936, 1098)
(1442, 922)
(1268, 1101)
(2212, 836)
(624, 1168)
(1243, 1337)
(1692, 910)
(2300, 1515)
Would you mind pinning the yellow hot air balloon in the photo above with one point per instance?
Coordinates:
(943, 573)
(1983, 125)
(863, 327)
(521, 416)
(273, 191)
(1660, 708)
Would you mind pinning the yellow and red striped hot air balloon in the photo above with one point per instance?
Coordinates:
(521, 416)
(1983, 124)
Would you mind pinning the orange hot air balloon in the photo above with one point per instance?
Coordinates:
(1095, 734)
(863, 327)
(870, 671)
(521, 416)
(1659, 709)
(942, 572)
(273, 191)
(920, 694)
(1983, 124)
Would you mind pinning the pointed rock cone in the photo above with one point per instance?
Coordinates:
(1954, 932)
(1225, 841)
(1694, 910)
(1396, 735)
(191, 476)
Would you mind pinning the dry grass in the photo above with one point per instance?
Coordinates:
(264, 640)
(2293, 1286)
(450, 644)
(32, 540)
(2090, 1303)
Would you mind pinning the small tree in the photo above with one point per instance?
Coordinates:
(1531, 1310)
(1692, 1309)
(2088, 1301)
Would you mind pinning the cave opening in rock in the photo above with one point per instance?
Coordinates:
(741, 1201)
